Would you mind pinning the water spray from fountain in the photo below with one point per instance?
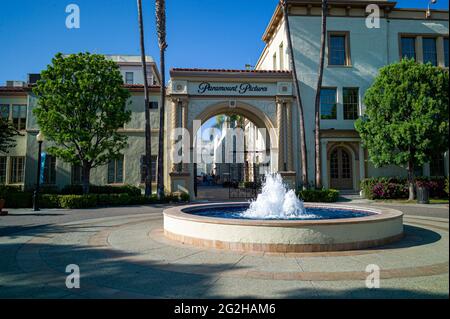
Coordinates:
(275, 201)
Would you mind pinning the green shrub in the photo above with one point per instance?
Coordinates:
(18, 199)
(171, 198)
(185, 197)
(5, 190)
(397, 188)
(319, 196)
(94, 189)
(77, 201)
(49, 201)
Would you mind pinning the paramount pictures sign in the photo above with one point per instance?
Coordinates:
(241, 89)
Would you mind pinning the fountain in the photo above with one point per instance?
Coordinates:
(275, 201)
(277, 221)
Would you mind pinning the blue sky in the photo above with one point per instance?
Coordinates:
(201, 33)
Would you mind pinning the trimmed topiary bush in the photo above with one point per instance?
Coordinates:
(319, 196)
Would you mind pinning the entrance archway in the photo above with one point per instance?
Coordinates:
(264, 98)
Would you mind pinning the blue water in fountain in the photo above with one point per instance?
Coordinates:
(276, 202)
(316, 213)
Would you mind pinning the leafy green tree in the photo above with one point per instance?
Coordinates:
(7, 133)
(82, 104)
(406, 118)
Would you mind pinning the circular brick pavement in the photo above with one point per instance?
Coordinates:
(130, 257)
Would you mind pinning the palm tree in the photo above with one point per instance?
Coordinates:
(304, 160)
(319, 88)
(160, 6)
(148, 137)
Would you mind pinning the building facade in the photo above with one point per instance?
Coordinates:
(264, 96)
(356, 48)
(19, 166)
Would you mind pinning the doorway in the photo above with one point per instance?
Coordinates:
(341, 169)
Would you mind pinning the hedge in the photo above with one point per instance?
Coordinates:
(94, 189)
(397, 188)
(319, 196)
(25, 200)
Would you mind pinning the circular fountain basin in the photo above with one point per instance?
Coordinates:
(325, 227)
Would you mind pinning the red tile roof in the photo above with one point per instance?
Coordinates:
(229, 71)
(12, 89)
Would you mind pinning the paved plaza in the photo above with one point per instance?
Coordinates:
(122, 253)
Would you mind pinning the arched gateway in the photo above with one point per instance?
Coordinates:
(263, 97)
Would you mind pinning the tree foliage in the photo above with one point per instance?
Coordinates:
(7, 133)
(81, 106)
(406, 117)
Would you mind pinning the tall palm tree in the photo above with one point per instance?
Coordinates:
(319, 88)
(148, 137)
(304, 159)
(160, 6)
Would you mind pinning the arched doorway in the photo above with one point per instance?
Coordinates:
(341, 169)
(239, 142)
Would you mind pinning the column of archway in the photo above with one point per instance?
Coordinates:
(281, 142)
(174, 124)
(184, 123)
(179, 120)
(290, 158)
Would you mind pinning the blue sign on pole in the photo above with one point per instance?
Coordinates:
(43, 157)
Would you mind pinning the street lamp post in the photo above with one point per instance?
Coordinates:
(40, 140)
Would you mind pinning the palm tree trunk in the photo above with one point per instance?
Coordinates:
(411, 178)
(161, 30)
(317, 105)
(304, 159)
(148, 136)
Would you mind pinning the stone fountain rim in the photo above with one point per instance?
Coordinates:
(380, 214)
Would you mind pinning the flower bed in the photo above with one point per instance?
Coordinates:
(397, 188)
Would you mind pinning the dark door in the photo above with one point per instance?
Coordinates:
(341, 169)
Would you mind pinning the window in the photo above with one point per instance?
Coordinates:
(4, 112)
(2, 170)
(154, 105)
(446, 52)
(274, 61)
(115, 171)
(338, 49)
(49, 170)
(351, 103)
(77, 175)
(143, 166)
(328, 105)
(17, 170)
(129, 77)
(429, 51)
(281, 56)
(19, 116)
(408, 48)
